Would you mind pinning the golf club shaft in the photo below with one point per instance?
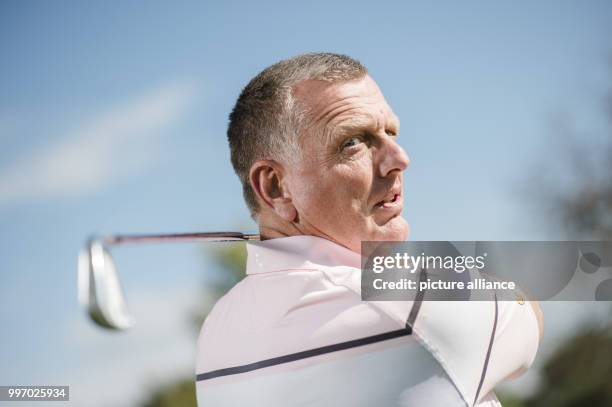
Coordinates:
(179, 237)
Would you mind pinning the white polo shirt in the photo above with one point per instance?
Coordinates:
(295, 332)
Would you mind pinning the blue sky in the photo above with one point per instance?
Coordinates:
(113, 119)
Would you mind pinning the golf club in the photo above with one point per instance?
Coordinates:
(99, 288)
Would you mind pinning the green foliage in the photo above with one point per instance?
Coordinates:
(231, 257)
(508, 400)
(579, 373)
(177, 394)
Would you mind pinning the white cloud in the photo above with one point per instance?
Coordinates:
(122, 142)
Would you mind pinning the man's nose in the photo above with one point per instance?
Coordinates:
(392, 159)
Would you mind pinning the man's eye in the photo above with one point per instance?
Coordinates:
(353, 141)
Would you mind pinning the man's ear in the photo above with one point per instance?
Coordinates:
(267, 180)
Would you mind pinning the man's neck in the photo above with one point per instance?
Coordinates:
(270, 228)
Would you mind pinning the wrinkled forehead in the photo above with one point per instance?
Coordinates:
(330, 107)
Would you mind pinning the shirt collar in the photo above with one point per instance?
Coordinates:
(295, 252)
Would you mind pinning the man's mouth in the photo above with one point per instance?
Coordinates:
(391, 201)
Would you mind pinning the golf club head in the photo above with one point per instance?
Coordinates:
(99, 288)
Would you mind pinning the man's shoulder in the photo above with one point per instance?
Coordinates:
(268, 315)
(259, 302)
(224, 326)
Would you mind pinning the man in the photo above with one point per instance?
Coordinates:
(314, 144)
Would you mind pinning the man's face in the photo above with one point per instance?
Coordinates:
(347, 187)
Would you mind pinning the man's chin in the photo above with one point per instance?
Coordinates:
(395, 230)
(399, 230)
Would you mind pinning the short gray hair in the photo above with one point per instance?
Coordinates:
(266, 120)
